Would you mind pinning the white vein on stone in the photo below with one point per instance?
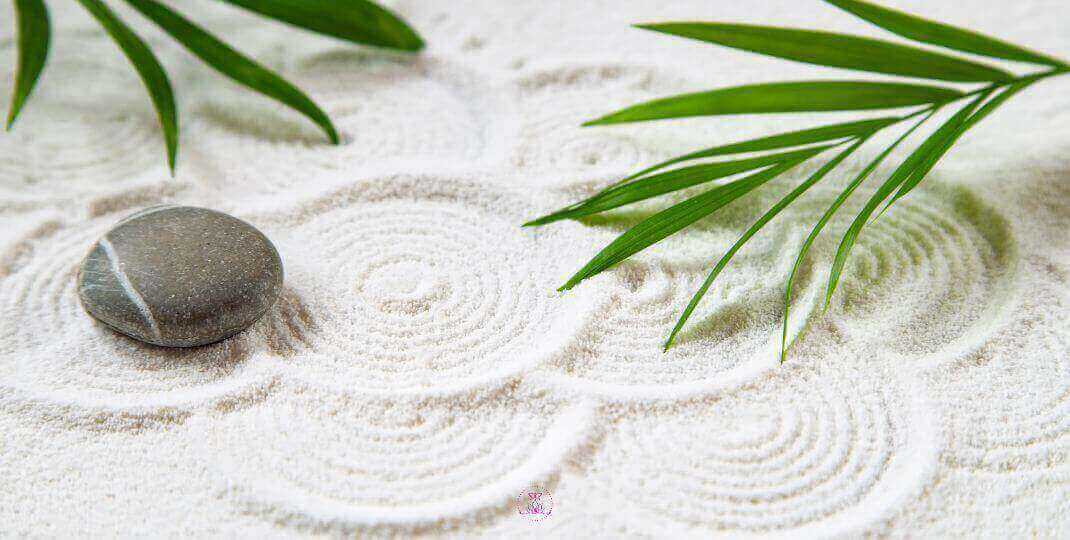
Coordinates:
(128, 287)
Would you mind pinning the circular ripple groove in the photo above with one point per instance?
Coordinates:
(554, 103)
(428, 290)
(391, 114)
(66, 142)
(1011, 413)
(54, 353)
(930, 276)
(329, 463)
(835, 446)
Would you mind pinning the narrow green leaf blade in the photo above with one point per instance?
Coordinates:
(835, 50)
(919, 174)
(900, 175)
(358, 21)
(757, 226)
(667, 182)
(944, 35)
(148, 68)
(233, 64)
(831, 211)
(860, 128)
(805, 96)
(668, 221)
(34, 34)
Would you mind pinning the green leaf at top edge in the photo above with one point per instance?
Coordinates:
(148, 68)
(663, 224)
(757, 226)
(659, 184)
(835, 50)
(232, 63)
(804, 96)
(831, 211)
(900, 175)
(358, 21)
(944, 35)
(34, 33)
(801, 137)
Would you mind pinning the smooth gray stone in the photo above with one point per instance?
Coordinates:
(180, 276)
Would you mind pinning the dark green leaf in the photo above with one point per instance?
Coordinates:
(659, 226)
(667, 182)
(33, 37)
(831, 211)
(148, 68)
(919, 174)
(762, 221)
(926, 31)
(835, 50)
(232, 63)
(916, 159)
(359, 21)
(806, 96)
(830, 132)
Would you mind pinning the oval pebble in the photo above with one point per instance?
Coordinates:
(180, 276)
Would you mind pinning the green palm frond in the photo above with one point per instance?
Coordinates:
(356, 21)
(827, 49)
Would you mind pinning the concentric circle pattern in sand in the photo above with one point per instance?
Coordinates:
(65, 142)
(392, 114)
(1023, 422)
(421, 284)
(803, 447)
(552, 103)
(54, 355)
(932, 274)
(331, 462)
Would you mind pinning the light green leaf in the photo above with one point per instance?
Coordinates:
(831, 211)
(830, 132)
(232, 63)
(762, 221)
(919, 174)
(926, 31)
(359, 21)
(663, 224)
(33, 38)
(148, 68)
(835, 50)
(667, 182)
(805, 96)
(916, 159)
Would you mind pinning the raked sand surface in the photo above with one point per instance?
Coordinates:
(420, 372)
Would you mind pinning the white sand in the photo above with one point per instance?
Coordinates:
(420, 371)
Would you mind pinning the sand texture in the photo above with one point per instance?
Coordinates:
(419, 371)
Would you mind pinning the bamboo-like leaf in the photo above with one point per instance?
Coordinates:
(659, 226)
(667, 182)
(805, 96)
(831, 211)
(835, 50)
(860, 128)
(148, 68)
(233, 64)
(944, 35)
(900, 175)
(34, 34)
(761, 222)
(919, 174)
(359, 21)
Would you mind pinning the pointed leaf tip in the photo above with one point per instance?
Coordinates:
(937, 33)
(148, 68)
(34, 35)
